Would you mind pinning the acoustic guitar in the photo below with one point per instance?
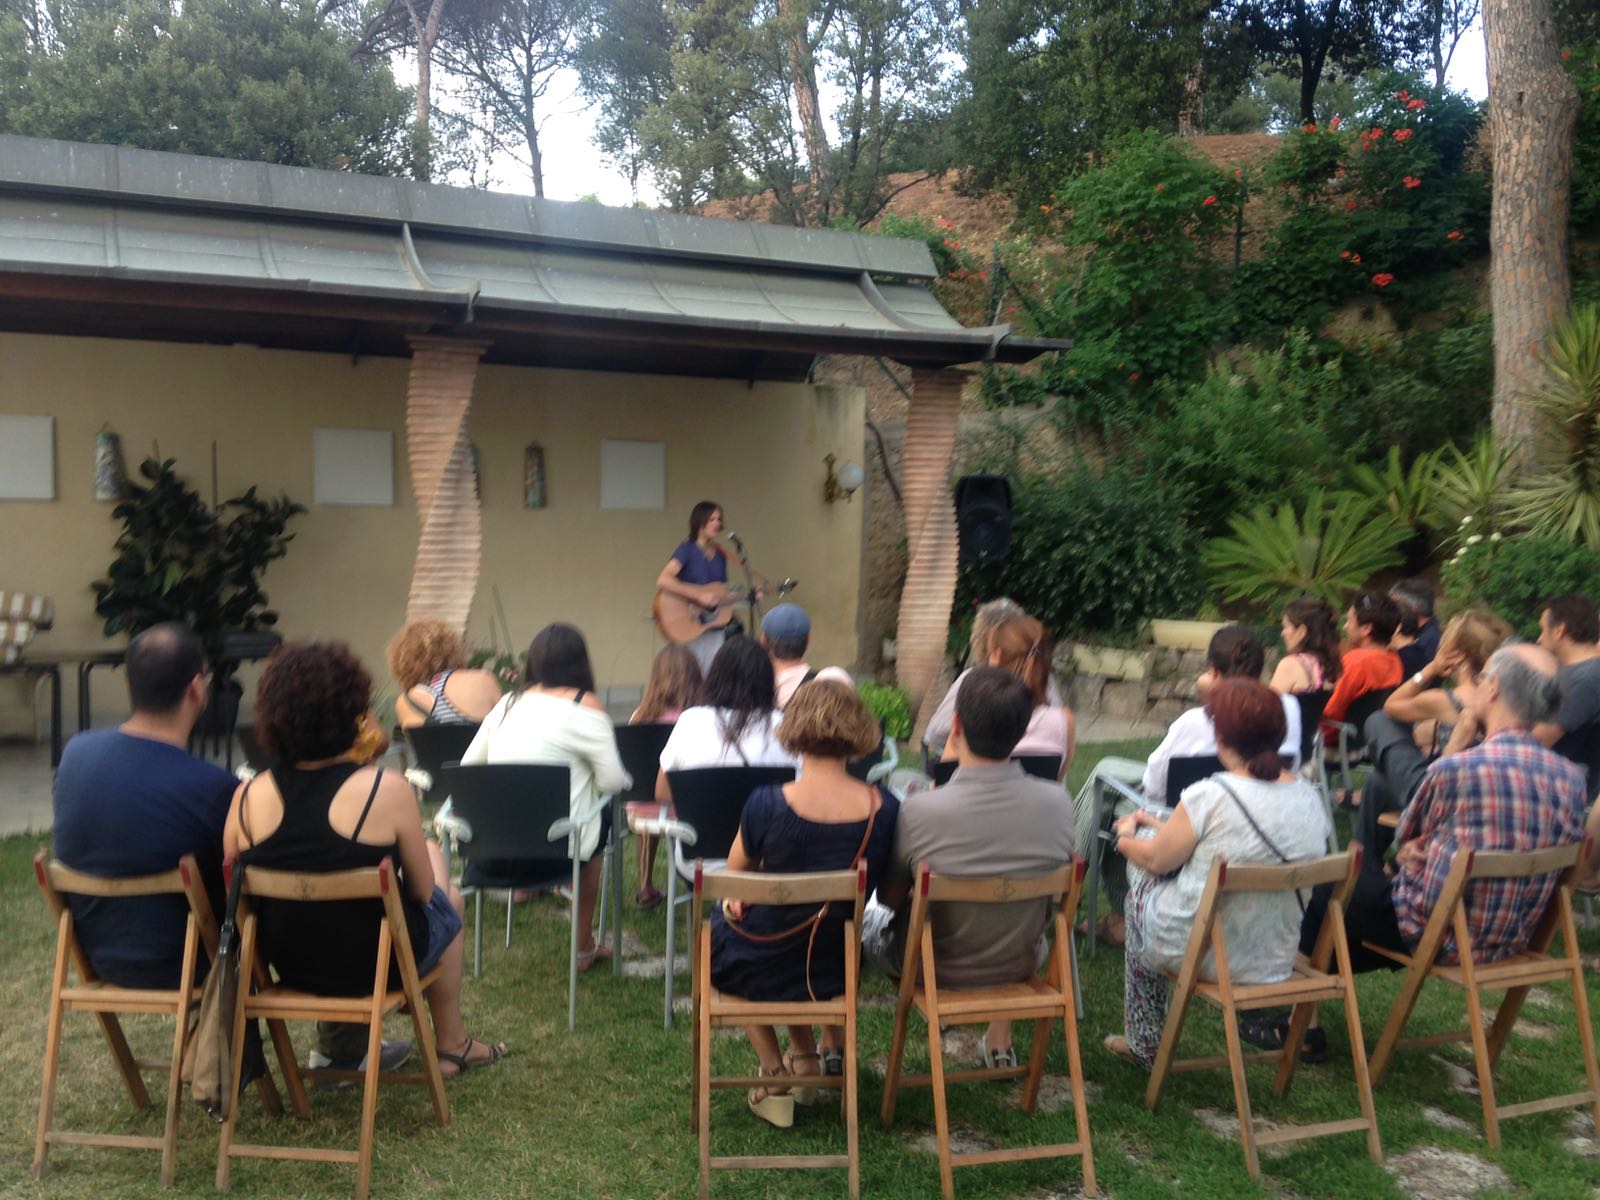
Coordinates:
(681, 620)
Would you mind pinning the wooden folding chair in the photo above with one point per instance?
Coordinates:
(712, 1009)
(1514, 975)
(1309, 984)
(1040, 999)
(107, 1000)
(274, 1002)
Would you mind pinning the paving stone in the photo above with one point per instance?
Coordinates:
(961, 1047)
(1580, 1138)
(878, 1064)
(1432, 1173)
(1066, 1193)
(1541, 998)
(962, 1141)
(1440, 1119)
(1055, 1094)
(652, 966)
(1463, 1079)
(1226, 1126)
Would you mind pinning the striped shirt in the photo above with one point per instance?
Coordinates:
(1509, 793)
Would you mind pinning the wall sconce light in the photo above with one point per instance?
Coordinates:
(843, 485)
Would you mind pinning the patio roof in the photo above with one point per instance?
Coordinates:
(109, 241)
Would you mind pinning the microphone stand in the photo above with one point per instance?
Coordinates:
(749, 577)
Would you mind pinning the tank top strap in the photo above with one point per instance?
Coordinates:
(355, 833)
(582, 692)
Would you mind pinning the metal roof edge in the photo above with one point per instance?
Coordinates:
(121, 174)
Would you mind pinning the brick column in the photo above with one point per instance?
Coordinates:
(450, 548)
(930, 587)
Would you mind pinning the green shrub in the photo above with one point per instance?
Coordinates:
(1562, 496)
(1094, 554)
(1516, 576)
(1469, 491)
(1584, 64)
(891, 707)
(1328, 545)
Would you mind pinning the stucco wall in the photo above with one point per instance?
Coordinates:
(756, 450)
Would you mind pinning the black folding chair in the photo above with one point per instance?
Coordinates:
(434, 746)
(1040, 766)
(639, 747)
(1313, 754)
(1353, 730)
(514, 825)
(708, 803)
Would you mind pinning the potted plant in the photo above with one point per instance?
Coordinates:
(180, 559)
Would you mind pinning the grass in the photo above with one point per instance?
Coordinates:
(603, 1112)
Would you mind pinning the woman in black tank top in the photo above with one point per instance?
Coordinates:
(322, 808)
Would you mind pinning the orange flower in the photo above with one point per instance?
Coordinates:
(1402, 95)
(1333, 124)
(1309, 127)
(1134, 378)
(1402, 135)
(1355, 258)
(1383, 279)
(1415, 105)
(1454, 235)
(1411, 181)
(1161, 187)
(1238, 172)
(1344, 254)
(1350, 206)
(1044, 208)
(1208, 202)
(1565, 55)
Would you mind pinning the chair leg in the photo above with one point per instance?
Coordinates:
(283, 1047)
(852, 1120)
(1077, 982)
(477, 934)
(672, 932)
(605, 894)
(1241, 1091)
(127, 1065)
(511, 903)
(52, 1056)
(1480, 1058)
(618, 827)
(891, 1073)
(941, 1113)
(1580, 1006)
(369, 1097)
(1041, 1046)
(1389, 1039)
(169, 1129)
(702, 1067)
(572, 962)
(1080, 1103)
(1095, 850)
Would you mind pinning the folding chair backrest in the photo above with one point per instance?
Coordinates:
(711, 800)
(1227, 878)
(1000, 889)
(510, 808)
(1311, 706)
(436, 745)
(1188, 769)
(380, 883)
(639, 747)
(1040, 766)
(761, 887)
(57, 881)
(1362, 707)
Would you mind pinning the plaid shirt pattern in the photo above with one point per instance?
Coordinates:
(1509, 793)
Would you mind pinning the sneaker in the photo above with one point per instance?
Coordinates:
(392, 1055)
(1269, 1031)
(997, 1060)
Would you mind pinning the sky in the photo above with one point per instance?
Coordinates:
(575, 168)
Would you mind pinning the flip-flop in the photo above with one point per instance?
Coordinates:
(463, 1063)
(647, 900)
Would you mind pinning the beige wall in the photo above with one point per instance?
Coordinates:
(758, 451)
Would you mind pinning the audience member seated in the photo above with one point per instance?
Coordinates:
(1416, 640)
(1256, 811)
(674, 682)
(1310, 661)
(318, 809)
(428, 659)
(985, 620)
(733, 723)
(132, 801)
(1508, 793)
(1020, 645)
(992, 818)
(1569, 628)
(556, 718)
(1421, 722)
(1234, 653)
(824, 821)
(785, 635)
(1369, 665)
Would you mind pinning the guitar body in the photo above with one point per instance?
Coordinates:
(682, 621)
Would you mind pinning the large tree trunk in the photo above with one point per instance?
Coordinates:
(1189, 116)
(803, 80)
(422, 132)
(1533, 108)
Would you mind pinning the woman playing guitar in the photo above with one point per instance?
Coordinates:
(698, 573)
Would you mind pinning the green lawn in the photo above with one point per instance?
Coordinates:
(603, 1112)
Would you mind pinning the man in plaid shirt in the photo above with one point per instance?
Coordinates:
(1507, 793)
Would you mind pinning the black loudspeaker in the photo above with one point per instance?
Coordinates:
(983, 517)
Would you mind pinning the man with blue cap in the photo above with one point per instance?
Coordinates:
(785, 634)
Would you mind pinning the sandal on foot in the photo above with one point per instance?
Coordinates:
(832, 1062)
(648, 898)
(464, 1061)
(802, 1095)
(588, 958)
(775, 1106)
(1000, 1058)
(1119, 1048)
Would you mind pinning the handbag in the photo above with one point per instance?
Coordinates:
(208, 1058)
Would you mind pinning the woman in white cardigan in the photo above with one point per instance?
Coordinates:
(556, 718)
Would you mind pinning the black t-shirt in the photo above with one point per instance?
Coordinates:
(127, 805)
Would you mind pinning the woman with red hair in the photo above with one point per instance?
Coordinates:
(1254, 811)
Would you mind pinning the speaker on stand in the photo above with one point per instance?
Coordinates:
(983, 518)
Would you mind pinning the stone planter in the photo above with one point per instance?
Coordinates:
(1184, 635)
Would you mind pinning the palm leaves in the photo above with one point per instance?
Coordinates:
(1562, 497)
(1327, 545)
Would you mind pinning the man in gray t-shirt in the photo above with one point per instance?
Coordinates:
(1569, 627)
(990, 819)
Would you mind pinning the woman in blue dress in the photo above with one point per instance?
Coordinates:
(823, 821)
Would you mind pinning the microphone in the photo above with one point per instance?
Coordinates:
(734, 538)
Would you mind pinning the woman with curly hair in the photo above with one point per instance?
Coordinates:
(428, 659)
(321, 809)
(556, 718)
(823, 821)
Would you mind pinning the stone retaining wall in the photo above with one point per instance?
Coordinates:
(1152, 684)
